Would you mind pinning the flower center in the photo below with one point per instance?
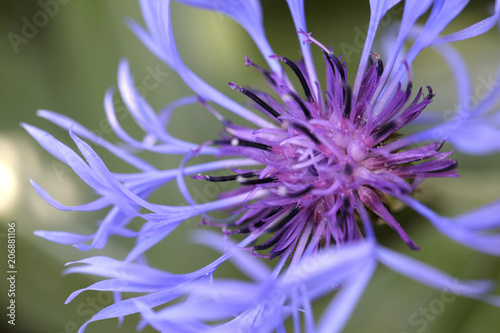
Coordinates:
(325, 158)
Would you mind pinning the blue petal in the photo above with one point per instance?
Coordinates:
(489, 101)
(161, 41)
(128, 306)
(99, 177)
(299, 20)
(476, 137)
(249, 265)
(460, 232)
(168, 325)
(175, 214)
(116, 285)
(67, 123)
(378, 8)
(61, 237)
(483, 218)
(133, 277)
(112, 223)
(144, 242)
(435, 278)
(91, 206)
(442, 13)
(248, 13)
(46, 140)
(138, 107)
(458, 67)
(472, 31)
(341, 307)
(173, 146)
(82, 169)
(413, 9)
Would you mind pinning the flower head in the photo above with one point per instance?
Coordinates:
(325, 156)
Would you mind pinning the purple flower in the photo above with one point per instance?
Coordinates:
(317, 164)
(327, 156)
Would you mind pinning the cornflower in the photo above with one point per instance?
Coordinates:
(318, 164)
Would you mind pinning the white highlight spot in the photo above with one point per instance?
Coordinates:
(235, 142)
(282, 190)
(8, 186)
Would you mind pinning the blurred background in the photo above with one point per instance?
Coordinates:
(66, 62)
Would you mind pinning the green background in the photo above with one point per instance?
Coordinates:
(67, 65)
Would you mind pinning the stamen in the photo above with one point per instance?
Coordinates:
(266, 73)
(441, 144)
(375, 57)
(347, 105)
(431, 94)
(273, 212)
(256, 99)
(300, 76)
(453, 165)
(335, 63)
(244, 143)
(308, 38)
(217, 179)
(312, 169)
(409, 87)
(380, 67)
(267, 244)
(285, 220)
(385, 130)
(302, 106)
(207, 106)
(307, 132)
(300, 193)
(344, 211)
(235, 142)
(244, 181)
(250, 228)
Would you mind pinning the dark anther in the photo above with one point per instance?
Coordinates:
(346, 204)
(306, 132)
(245, 230)
(250, 228)
(441, 144)
(285, 220)
(408, 89)
(384, 131)
(274, 254)
(302, 106)
(267, 244)
(300, 76)
(259, 101)
(242, 181)
(380, 67)
(273, 212)
(453, 165)
(348, 98)
(335, 62)
(243, 143)
(267, 74)
(313, 170)
(231, 177)
(430, 95)
(300, 193)
(348, 169)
